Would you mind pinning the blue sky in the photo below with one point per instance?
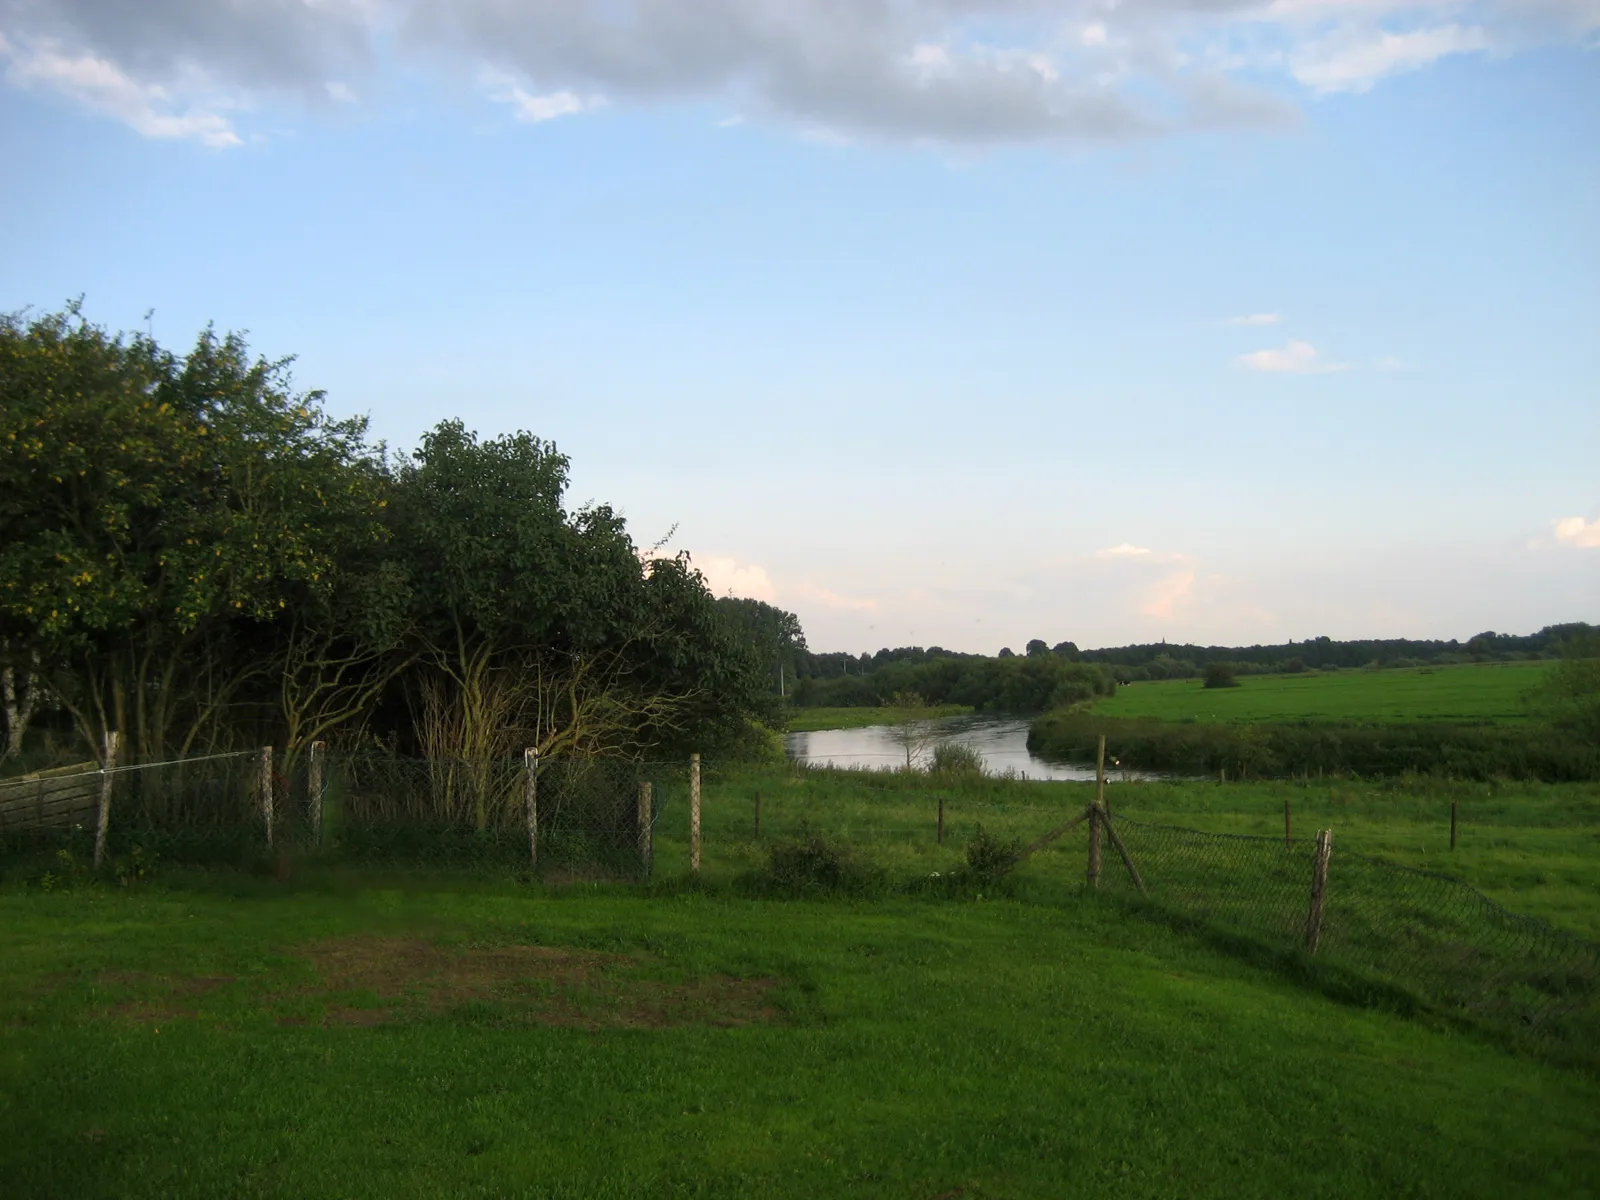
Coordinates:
(933, 321)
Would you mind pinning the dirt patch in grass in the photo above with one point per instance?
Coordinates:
(366, 981)
(544, 985)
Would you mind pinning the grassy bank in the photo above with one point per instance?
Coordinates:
(1480, 693)
(1277, 748)
(284, 1041)
(811, 720)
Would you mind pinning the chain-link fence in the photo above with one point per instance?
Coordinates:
(588, 818)
(1436, 938)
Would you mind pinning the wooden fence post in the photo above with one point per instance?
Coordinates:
(941, 820)
(315, 765)
(530, 802)
(102, 820)
(645, 837)
(1094, 813)
(264, 786)
(1127, 859)
(1452, 824)
(1288, 839)
(1319, 888)
(694, 813)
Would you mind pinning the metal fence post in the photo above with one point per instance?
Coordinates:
(1319, 888)
(315, 765)
(264, 786)
(102, 820)
(694, 813)
(530, 802)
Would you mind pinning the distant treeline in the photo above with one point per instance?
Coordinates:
(1172, 660)
(1013, 684)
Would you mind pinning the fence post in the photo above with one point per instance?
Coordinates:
(264, 785)
(1319, 888)
(1452, 824)
(102, 820)
(941, 820)
(1288, 839)
(1094, 814)
(694, 813)
(645, 814)
(314, 769)
(530, 802)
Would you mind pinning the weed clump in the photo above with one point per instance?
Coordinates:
(811, 864)
(956, 759)
(989, 858)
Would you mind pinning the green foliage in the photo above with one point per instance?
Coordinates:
(811, 863)
(1569, 697)
(1220, 675)
(1295, 748)
(990, 858)
(956, 759)
(195, 554)
(1014, 684)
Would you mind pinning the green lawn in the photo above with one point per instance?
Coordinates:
(809, 720)
(357, 1034)
(194, 1043)
(1487, 692)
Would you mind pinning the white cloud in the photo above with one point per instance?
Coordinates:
(953, 72)
(1256, 319)
(1575, 531)
(537, 108)
(103, 86)
(1168, 594)
(1354, 64)
(728, 577)
(833, 600)
(342, 92)
(1125, 550)
(1297, 358)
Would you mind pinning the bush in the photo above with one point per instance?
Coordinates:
(810, 864)
(988, 858)
(1220, 675)
(955, 758)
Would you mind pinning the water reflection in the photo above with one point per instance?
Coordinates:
(1002, 741)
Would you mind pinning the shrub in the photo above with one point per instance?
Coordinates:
(955, 758)
(1220, 675)
(989, 858)
(812, 864)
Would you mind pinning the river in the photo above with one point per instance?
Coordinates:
(1002, 741)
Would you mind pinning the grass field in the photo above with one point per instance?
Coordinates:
(809, 720)
(355, 1034)
(367, 1042)
(1488, 692)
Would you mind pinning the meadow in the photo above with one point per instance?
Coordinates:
(1480, 692)
(358, 1033)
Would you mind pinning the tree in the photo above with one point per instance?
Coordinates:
(912, 728)
(1220, 675)
(1037, 647)
(774, 635)
(156, 513)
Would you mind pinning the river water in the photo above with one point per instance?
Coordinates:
(1002, 741)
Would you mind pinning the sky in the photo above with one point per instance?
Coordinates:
(955, 322)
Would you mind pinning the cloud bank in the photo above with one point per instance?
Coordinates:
(957, 72)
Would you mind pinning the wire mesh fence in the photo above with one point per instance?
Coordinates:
(1437, 938)
(594, 817)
